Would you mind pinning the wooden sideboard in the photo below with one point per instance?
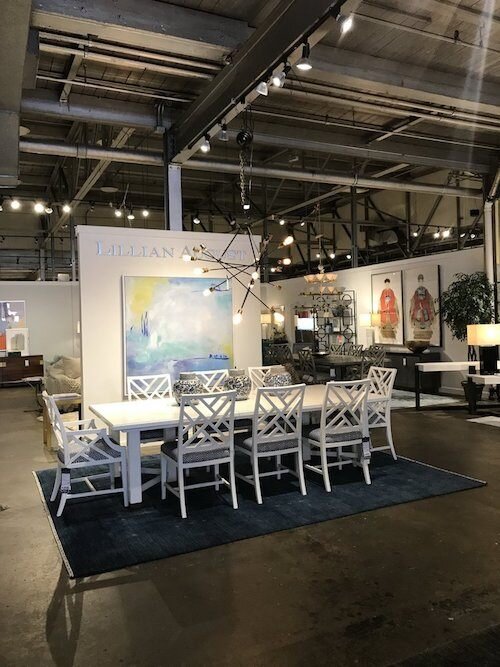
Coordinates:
(15, 369)
(405, 363)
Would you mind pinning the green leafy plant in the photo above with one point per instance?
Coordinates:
(468, 300)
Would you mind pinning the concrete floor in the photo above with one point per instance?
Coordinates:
(373, 589)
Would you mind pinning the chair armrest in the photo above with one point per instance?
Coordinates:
(84, 424)
(91, 431)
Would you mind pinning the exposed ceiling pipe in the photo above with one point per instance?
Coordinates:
(126, 63)
(155, 159)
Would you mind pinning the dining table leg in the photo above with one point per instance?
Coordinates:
(134, 466)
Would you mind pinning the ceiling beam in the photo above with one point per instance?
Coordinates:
(76, 61)
(146, 24)
(277, 39)
(450, 9)
(391, 77)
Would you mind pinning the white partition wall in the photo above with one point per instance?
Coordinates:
(106, 254)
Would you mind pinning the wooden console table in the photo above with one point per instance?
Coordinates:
(16, 369)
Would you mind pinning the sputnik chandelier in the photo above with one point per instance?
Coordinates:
(245, 275)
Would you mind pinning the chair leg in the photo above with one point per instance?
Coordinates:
(216, 476)
(112, 476)
(339, 457)
(256, 479)
(182, 492)
(278, 466)
(390, 442)
(300, 472)
(366, 472)
(324, 465)
(232, 480)
(62, 503)
(57, 483)
(163, 476)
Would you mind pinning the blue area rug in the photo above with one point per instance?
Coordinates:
(99, 535)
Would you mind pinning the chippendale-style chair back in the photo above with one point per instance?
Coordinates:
(278, 414)
(144, 387)
(213, 381)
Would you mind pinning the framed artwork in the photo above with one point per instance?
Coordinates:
(387, 303)
(422, 291)
(17, 340)
(176, 324)
(12, 316)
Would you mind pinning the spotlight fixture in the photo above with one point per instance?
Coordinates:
(196, 219)
(145, 213)
(302, 223)
(238, 317)
(15, 204)
(186, 257)
(437, 233)
(49, 209)
(66, 208)
(130, 215)
(118, 213)
(273, 269)
(246, 206)
(244, 138)
(288, 240)
(39, 207)
(304, 63)
(415, 232)
(348, 256)
(223, 132)
(472, 235)
(446, 233)
(318, 256)
(232, 220)
(282, 221)
(346, 23)
(286, 261)
(331, 255)
(278, 80)
(262, 89)
(205, 145)
(463, 235)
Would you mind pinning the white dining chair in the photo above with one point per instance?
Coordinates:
(257, 375)
(205, 437)
(213, 381)
(276, 431)
(81, 445)
(343, 426)
(379, 404)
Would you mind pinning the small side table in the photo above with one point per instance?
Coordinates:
(485, 380)
(440, 367)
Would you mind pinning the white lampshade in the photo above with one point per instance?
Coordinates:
(265, 318)
(365, 319)
(483, 335)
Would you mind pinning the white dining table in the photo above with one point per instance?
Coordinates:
(135, 417)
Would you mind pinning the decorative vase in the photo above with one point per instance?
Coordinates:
(240, 382)
(416, 346)
(277, 376)
(188, 383)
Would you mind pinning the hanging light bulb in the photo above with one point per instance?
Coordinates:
(145, 213)
(273, 269)
(198, 271)
(205, 145)
(318, 255)
(288, 240)
(207, 292)
(196, 219)
(66, 208)
(446, 233)
(15, 204)
(286, 261)
(118, 213)
(262, 89)
(332, 255)
(39, 207)
(282, 221)
(130, 215)
(49, 209)
(302, 223)
(246, 206)
(348, 256)
(238, 317)
(463, 235)
(415, 232)
(437, 233)
(255, 275)
(346, 23)
(304, 63)
(472, 235)
(278, 317)
(186, 257)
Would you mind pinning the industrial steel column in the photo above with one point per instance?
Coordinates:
(172, 188)
(354, 229)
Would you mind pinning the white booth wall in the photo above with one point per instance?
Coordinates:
(52, 314)
(287, 293)
(107, 254)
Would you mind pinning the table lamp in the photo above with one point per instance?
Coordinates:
(487, 338)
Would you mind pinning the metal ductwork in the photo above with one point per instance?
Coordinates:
(14, 29)
(94, 110)
(155, 159)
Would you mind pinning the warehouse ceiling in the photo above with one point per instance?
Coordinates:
(409, 94)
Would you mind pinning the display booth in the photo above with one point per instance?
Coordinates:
(147, 308)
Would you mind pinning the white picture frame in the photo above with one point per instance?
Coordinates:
(17, 340)
(387, 302)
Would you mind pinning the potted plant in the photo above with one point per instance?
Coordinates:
(468, 300)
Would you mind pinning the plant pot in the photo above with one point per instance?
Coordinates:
(477, 388)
